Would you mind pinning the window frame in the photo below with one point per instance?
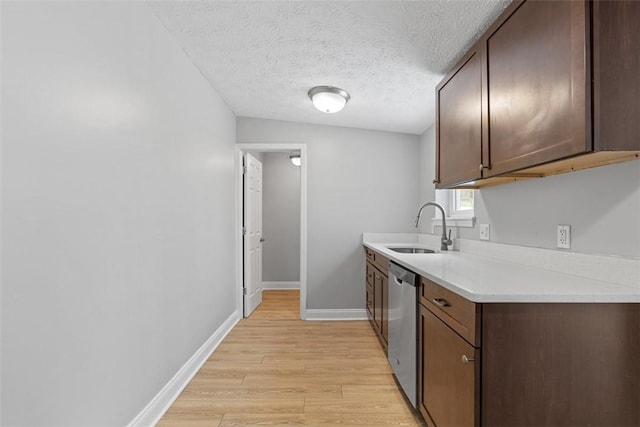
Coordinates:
(455, 218)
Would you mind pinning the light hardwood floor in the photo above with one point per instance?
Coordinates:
(276, 370)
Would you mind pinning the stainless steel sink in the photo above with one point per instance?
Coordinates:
(413, 250)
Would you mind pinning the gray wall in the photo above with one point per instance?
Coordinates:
(357, 181)
(602, 205)
(427, 174)
(117, 211)
(280, 219)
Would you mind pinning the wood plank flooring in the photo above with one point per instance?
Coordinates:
(276, 370)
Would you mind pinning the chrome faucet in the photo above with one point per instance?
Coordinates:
(445, 241)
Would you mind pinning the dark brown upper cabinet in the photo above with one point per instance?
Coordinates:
(536, 90)
(551, 87)
(459, 117)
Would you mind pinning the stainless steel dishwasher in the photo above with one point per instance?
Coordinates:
(402, 353)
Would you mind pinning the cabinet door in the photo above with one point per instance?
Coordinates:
(369, 300)
(385, 308)
(370, 270)
(377, 300)
(616, 61)
(572, 364)
(448, 383)
(538, 100)
(421, 357)
(459, 123)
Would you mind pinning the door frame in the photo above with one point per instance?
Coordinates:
(240, 149)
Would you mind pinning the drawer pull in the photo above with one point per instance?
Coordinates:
(466, 360)
(441, 302)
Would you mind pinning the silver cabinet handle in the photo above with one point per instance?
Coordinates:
(466, 360)
(441, 302)
(482, 167)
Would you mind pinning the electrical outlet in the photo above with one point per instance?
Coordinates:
(564, 237)
(484, 231)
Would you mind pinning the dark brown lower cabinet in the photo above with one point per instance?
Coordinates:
(561, 365)
(384, 329)
(377, 300)
(449, 374)
(377, 295)
(369, 291)
(381, 306)
(538, 364)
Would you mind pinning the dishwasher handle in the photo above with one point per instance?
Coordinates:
(402, 275)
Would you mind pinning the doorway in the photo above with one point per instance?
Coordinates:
(282, 304)
(243, 270)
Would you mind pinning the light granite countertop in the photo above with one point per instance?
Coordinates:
(489, 272)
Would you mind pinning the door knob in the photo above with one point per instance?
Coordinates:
(466, 360)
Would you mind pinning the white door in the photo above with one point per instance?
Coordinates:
(252, 234)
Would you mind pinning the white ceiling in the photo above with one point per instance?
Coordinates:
(263, 56)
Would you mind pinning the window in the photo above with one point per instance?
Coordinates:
(460, 202)
(459, 206)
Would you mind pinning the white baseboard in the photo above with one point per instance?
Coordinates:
(280, 285)
(340, 314)
(155, 409)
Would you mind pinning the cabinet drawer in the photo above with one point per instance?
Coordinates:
(457, 312)
(382, 262)
(378, 260)
(370, 254)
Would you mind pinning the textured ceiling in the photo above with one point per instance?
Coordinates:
(263, 56)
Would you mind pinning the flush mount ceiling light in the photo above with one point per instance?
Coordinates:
(328, 99)
(295, 158)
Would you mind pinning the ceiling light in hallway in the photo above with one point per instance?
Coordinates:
(329, 99)
(295, 158)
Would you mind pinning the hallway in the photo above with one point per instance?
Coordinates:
(274, 369)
